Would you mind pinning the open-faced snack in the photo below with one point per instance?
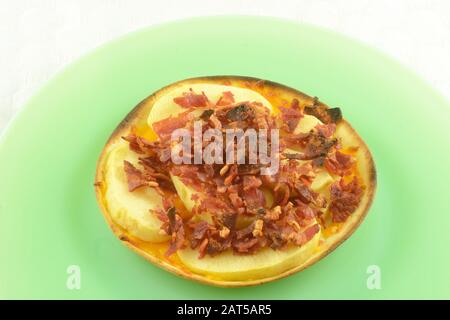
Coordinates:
(209, 212)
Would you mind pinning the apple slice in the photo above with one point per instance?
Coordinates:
(266, 263)
(306, 124)
(131, 210)
(321, 181)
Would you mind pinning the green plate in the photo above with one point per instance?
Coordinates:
(50, 219)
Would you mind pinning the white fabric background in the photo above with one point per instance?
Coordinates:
(40, 37)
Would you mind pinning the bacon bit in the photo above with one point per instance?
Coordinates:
(306, 173)
(135, 177)
(239, 113)
(138, 144)
(167, 204)
(295, 225)
(226, 99)
(339, 163)
(224, 169)
(290, 118)
(165, 127)
(214, 246)
(229, 220)
(254, 199)
(153, 169)
(189, 174)
(236, 201)
(160, 214)
(214, 122)
(293, 236)
(176, 229)
(206, 114)
(273, 234)
(269, 181)
(195, 197)
(202, 248)
(318, 162)
(319, 146)
(316, 145)
(300, 238)
(257, 231)
(262, 117)
(199, 233)
(134, 146)
(212, 204)
(233, 173)
(342, 158)
(282, 194)
(323, 113)
(251, 182)
(222, 189)
(345, 199)
(249, 169)
(294, 156)
(200, 229)
(190, 99)
(171, 215)
(301, 156)
(305, 194)
(273, 214)
(153, 184)
(304, 211)
(245, 232)
(296, 139)
(311, 231)
(327, 130)
(209, 170)
(224, 232)
(245, 246)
